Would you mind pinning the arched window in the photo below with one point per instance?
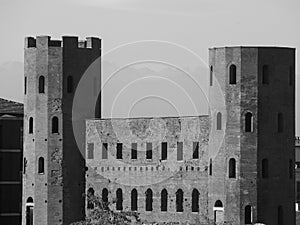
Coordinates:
(134, 200)
(211, 76)
(232, 168)
(149, 199)
(265, 168)
(30, 127)
(291, 169)
(90, 194)
(218, 212)
(29, 200)
(41, 84)
(164, 200)
(218, 204)
(119, 203)
(25, 85)
(179, 200)
(195, 200)
(105, 195)
(248, 122)
(280, 215)
(41, 165)
(54, 125)
(69, 84)
(219, 121)
(29, 211)
(232, 74)
(210, 167)
(24, 165)
(279, 122)
(248, 214)
(265, 74)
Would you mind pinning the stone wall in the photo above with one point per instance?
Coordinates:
(156, 174)
(58, 192)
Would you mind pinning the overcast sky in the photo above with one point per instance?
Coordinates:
(194, 24)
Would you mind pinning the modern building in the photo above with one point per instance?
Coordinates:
(11, 153)
(234, 165)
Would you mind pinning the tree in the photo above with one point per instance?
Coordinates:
(99, 213)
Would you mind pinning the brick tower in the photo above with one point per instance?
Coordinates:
(53, 180)
(252, 98)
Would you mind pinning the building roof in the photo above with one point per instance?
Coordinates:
(8, 107)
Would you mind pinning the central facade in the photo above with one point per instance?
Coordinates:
(156, 166)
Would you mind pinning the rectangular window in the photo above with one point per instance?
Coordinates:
(25, 85)
(149, 151)
(164, 151)
(210, 167)
(90, 150)
(195, 150)
(119, 150)
(179, 151)
(134, 151)
(104, 150)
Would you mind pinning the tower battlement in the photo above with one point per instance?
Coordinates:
(66, 42)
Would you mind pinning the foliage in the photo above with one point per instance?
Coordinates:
(99, 213)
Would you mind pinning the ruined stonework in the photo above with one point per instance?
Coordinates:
(244, 171)
(157, 174)
(53, 184)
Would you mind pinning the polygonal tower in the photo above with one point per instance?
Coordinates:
(54, 172)
(252, 98)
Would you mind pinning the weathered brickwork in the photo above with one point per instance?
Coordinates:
(57, 191)
(278, 147)
(157, 174)
(232, 166)
(242, 195)
(264, 100)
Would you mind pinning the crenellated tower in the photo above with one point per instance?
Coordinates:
(54, 168)
(252, 98)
